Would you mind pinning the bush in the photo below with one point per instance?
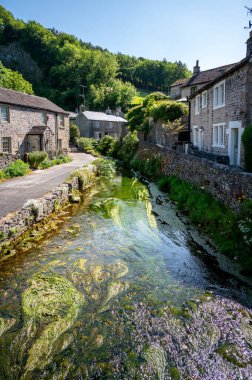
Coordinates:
(45, 164)
(86, 144)
(16, 169)
(74, 133)
(113, 149)
(84, 177)
(104, 144)
(168, 110)
(151, 167)
(36, 158)
(128, 147)
(247, 143)
(105, 168)
(1, 175)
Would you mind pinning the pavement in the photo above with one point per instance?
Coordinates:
(15, 192)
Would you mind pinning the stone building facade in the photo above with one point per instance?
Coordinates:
(221, 110)
(98, 124)
(31, 123)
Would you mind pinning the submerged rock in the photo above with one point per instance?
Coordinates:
(6, 324)
(113, 290)
(54, 302)
(155, 356)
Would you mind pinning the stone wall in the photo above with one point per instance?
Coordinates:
(6, 159)
(227, 184)
(35, 210)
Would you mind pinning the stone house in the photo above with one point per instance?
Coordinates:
(183, 88)
(99, 124)
(221, 110)
(31, 123)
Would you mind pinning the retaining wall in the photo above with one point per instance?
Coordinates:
(35, 210)
(225, 183)
(6, 159)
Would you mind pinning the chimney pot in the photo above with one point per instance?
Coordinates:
(196, 69)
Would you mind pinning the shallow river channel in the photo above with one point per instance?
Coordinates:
(124, 290)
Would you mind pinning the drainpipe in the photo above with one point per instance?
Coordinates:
(189, 118)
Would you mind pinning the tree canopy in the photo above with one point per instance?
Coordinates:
(14, 80)
(66, 63)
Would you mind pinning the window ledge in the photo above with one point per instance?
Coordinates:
(217, 107)
(218, 146)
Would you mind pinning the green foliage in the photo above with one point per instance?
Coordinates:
(247, 143)
(168, 110)
(88, 145)
(84, 177)
(14, 80)
(16, 169)
(104, 145)
(1, 174)
(46, 164)
(113, 149)
(106, 169)
(74, 132)
(67, 62)
(128, 147)
(151, 167)
(36, 158)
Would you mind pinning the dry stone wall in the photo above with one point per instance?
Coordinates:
(6, 159)
(227, 184)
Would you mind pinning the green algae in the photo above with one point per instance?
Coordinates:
(114, 289)
(6, 324)
(54, 302)
(229, 352)
(155, 356)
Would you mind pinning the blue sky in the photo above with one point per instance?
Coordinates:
(210, 30)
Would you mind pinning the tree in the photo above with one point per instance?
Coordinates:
(14, 80)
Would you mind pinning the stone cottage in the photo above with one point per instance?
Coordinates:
(221, 110)
(183, 88)
(31, 123)
(99, 124)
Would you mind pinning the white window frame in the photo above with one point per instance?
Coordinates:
(197, 105)
(4, 119)
(204, 99)
(8, 142)
(61, 121)
(195, 136)
(218, 102)
(218, 136)
(44, 118)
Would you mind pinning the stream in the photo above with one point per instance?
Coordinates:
(126, 289)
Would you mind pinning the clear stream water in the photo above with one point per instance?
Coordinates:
(123, 291)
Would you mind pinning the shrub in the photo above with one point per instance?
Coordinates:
(74, 133)
(16, 169)
(151, 167)
(104, 144)
(113, 149)
(247, 143)
(86, 144)
(105, 168)
(84, 177)
(45, 164)
(128, 147)
(168, 110)
(1, 174)
(36, 158)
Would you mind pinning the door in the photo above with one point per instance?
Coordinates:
(234, 147)
(34, 143)
(200, 139)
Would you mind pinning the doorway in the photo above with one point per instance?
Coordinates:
(234, 148)
(34, 143)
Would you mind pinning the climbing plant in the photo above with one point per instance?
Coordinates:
(247, 143)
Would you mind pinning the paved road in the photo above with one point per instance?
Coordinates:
(15, 192)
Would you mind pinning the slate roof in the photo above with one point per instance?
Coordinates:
(208, 75)
(179, 82)
(12, 97)
(231, 69)
(101, 116)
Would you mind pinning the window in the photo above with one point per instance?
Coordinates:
(193, 89)
(219, 95)
(61, 121)
(4, 114)
(218, 135)
(6, 144)
(197, 105)
(195, 136)
(204, 99)
(44, 118)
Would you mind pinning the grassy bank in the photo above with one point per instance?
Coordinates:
(231, 233)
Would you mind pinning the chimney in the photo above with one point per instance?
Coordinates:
(108, 111)
(196, 69)
(81, 108)
(118, 111)
(249, 45)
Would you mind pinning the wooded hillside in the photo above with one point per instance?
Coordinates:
(66, 62)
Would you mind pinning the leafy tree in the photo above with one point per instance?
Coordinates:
(14, 80)
(74, 132)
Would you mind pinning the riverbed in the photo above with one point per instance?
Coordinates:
(126, 289)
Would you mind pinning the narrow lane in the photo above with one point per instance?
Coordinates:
(15, 192)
